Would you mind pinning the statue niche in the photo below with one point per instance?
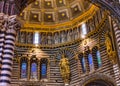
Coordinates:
(111, 53)
(65, 69)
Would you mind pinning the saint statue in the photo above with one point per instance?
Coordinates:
(108, 43)
(110, 51)
(65, 69)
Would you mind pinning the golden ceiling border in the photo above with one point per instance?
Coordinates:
(28, 27)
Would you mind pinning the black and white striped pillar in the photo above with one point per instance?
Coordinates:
(117, 74)
(116, 67)
(116, 29)
(2, 35)
(8, 51)
(117, 33)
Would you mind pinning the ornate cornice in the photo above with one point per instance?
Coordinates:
(62, 26)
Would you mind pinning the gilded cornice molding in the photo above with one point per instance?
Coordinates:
(62, 26)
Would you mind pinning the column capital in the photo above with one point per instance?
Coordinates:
(9, 23)
(13, 23)
(3, 19)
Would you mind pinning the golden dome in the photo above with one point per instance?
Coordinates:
(49, 12)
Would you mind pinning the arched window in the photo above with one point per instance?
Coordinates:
(36, 38)
(90, 60)
(56, 38)
(83, 30)
(34, 68)
(49, 38)
(82, 61)
(43, 68)
(23, 68)
(98, 58)
(83, 64)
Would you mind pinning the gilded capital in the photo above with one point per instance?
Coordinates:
(14, 23)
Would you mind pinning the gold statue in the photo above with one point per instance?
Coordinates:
(65, 69)
(110, 51)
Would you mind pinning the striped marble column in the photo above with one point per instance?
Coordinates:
(116, 29)
(2, 35)
(8, 51)
(116, 67)
(117, 74)
(117, 33)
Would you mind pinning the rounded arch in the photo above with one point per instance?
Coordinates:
(34, 59)
(43, 68)
(23, 58)
(98, 79)
(23, 67)
(111, 5)
(99, 82)
(67, 52)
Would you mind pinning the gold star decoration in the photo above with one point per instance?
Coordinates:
(63, 14)
(48, 3)
(35, 16)
(36, 3)
(75, 8)
(49, 16)
(60, 1)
